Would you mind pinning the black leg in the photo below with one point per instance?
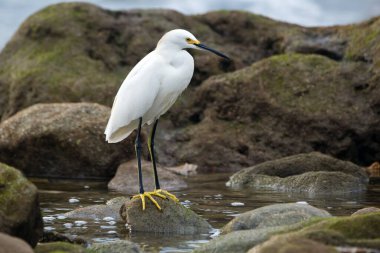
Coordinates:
(138, 150)
(152, 156)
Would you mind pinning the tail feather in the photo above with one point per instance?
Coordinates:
(113, 136)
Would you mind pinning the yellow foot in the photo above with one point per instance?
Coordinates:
(161, 192)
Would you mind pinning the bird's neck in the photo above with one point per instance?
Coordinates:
(168, 50)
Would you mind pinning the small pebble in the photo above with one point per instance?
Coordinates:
(111, 232)
(48, 218)
(49, 228)
(68, 225)
(112, 222)
(107, 227)
(61, 217)
(108, 218)
(86, 187)
(73, 200)
(302, 202)
(80, 222)
(237, 204)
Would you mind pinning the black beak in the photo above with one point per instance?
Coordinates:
(213, 50)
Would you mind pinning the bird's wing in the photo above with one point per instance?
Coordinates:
(134, 98)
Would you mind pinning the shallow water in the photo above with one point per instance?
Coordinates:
(207, 195)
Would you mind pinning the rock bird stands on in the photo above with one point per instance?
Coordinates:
(148, 91)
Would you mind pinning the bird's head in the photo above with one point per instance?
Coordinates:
(182, 39)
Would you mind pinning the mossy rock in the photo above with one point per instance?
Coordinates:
(280, 106)
(312, 173)
(360, 231)
(19, 207)
(173, 218)
(60, 247)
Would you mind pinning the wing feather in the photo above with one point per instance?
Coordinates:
(134, 98)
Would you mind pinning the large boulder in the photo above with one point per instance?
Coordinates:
(126, 178)
(73, 52)
(174, 218)
(312, 173)
(319, 92)
(279, 106)
(62, 140)
(272, 216)
(20, 214)
(10, 244)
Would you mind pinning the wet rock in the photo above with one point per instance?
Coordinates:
(238, 241)
(366, 210)
(286, 244)
(354, 231)
(10, 244)
(62, 140)
(126, 178)
(61, 247)
(122, 246)
(19, 209)
(321, 80)
(312, 173)
(54, 236)
(266, 111)
(273, 215)
(174, 218)
(110, 209)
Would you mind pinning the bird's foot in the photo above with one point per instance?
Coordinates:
(149, 195)
(168, 194)
(159, 193)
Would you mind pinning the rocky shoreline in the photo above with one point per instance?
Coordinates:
(296, 111)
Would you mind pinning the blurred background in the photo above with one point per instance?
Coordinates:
(302, 12)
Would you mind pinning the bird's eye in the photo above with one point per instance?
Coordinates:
(188, 39)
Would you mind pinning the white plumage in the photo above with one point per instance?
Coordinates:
(148, 91)
(154, 84)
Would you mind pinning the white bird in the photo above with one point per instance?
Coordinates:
(148, 91)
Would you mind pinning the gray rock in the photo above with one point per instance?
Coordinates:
(174, 218)
(238, 241)
(10, 244)
(366, 210)
(312, 173)
(110, 209)
(62, 140)
(122, 246)
(126, 178)
(20, 213)
(273, 216)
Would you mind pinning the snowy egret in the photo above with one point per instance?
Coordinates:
(148, 91)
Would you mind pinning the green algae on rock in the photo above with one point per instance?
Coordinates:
(174, 218)
(19, 207)
(357, 231)
(61, 247)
